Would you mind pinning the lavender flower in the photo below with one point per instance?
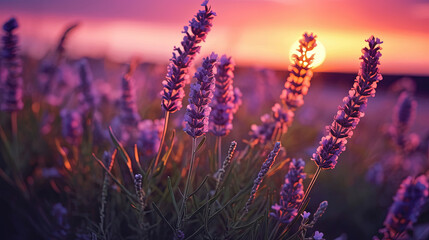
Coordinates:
(298, 82)
(179, 235)
(139, 190)
(226, 100)
(12, 84)
(129, 115)
(318, 236)
(221, 172)
(178, 68)
(292, 193)
(59, 213)
(198, 110)
(268, 163)
(279, 120)
(296, 87)
(72, 130)
(406, 207)
(348, 116)
(86, 96)
(403, 117)
(108, 162)
(149, 136)
(319, 212)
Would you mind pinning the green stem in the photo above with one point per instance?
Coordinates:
(188, 180)
(219, 151)
(161, 144)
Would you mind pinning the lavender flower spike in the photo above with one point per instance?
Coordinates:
(264, 169)
(12, 84)
(225, 102)
(86, 96)
(348, 116)
(72, 130)
(129, 115)
(139, 190)
(298, 82)
(406, 207)
(198, 110)
(292, 193)
(178, 68)
(403, 117)
(221, 172)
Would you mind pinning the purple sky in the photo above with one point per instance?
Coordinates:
(254, 32)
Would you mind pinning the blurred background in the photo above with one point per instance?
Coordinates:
(255, 32)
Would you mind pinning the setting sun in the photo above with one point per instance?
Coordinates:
(319, 53)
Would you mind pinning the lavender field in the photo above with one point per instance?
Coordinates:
(207, 145)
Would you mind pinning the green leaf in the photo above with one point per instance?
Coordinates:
(129, 194)
(201, 143)
(162, 216)
(173, 199)
(122, 151)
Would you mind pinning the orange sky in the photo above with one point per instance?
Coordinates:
(255, 32)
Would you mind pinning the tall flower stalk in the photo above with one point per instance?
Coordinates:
(348, 115)
(12, 84)
(296, 87)
(224, 103)
(268, 163)
(178, 68)
(197, 115)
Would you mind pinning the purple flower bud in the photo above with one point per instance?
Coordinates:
(12, 83)
(409, 199)
(150, 135)
(268, 163)
(296, 87)
(348, 116)
(403, 117)
(318, 236)
(226, 100)
(86, 95)
(179, 235)
(138, 179)
(72, 129)
(291, 194)
(198, 110)
(177, 70)
(128, 115)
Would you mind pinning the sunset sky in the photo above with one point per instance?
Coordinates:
(254, 32)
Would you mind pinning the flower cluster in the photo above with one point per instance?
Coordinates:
(12, 84)
(403, 117)
(268, 163)
(348, 116)
(292, 193)
(86, 91)
(296, 87)
(300, 74)
(149, 136)
(129, 115)
(72, 129)
(198, 110)
(406, 207)
(226, 100)
(178, 68)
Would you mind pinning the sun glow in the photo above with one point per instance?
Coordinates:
(319, 53)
